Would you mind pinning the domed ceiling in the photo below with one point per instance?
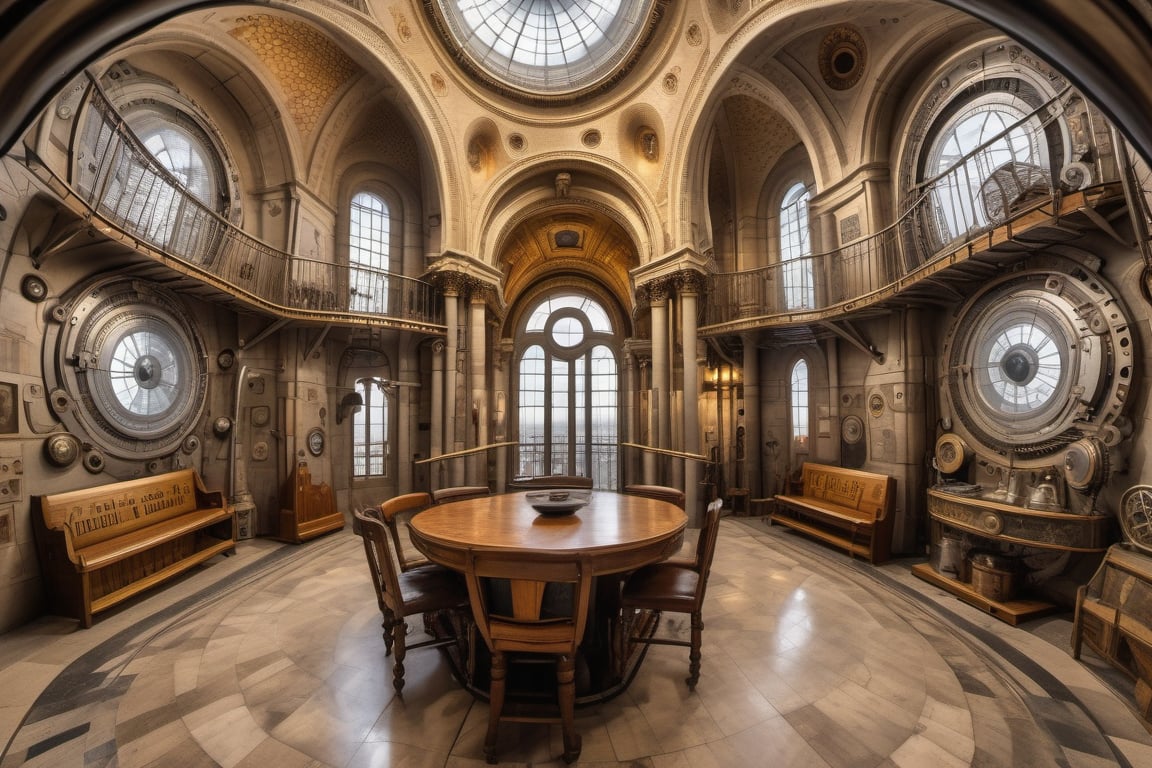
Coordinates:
(546, 50)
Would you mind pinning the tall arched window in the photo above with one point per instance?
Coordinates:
(370, 432)
(796, 250)
(568, 391)
(798, 389)
(369, 228)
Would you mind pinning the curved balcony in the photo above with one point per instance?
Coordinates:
(959, 227)
(121, 191)
(956, 228)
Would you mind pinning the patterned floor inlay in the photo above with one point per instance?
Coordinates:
(810, 659)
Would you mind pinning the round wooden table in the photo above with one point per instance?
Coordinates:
(619, 533)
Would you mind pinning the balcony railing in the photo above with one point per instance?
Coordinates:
(119, 179)
(980, 192)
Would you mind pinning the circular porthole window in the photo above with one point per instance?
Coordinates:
(1038, 359)
(132, 367)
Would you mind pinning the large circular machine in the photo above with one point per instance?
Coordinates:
(1037, 367)
(126, 370)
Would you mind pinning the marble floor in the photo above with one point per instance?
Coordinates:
(273, 657)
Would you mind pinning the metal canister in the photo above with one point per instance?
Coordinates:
(993, 575)
(951, 557)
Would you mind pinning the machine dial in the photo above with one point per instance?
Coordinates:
(1136, 516)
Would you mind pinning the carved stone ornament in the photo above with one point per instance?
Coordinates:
(843, 57)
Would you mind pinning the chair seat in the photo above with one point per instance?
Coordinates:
(432, 588)
(544, 637)
(421, 589)
(662, 587)
(674, 587)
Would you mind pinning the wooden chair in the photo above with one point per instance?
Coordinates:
(550, 481)
(675, 586)
(459, 493)
(395, 513)
(428, 590)
(524, 622)
(662, 492)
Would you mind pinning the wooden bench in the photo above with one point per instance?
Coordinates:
(100, 546)
(845, 507)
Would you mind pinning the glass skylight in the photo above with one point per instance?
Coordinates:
(546, 46)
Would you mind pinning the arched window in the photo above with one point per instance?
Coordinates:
(985, 157)
(568, 392)
(798, 389)
(369, 240)
(796, 250)
(171, 196)
(370, 432)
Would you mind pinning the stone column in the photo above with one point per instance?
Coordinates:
(504, 379)
(661, 376)
(689, 289)
(753, 447)
(407, 404)
(478, 373)
(629, 430)
(453, 283)
(436, 469)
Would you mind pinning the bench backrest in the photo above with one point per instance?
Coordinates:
(100, 513)
(867, 492)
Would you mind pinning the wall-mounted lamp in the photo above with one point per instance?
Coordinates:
(349, 404)
(724, 375)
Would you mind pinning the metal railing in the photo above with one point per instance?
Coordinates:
(597, 459)
(976, 194)
(118, 178)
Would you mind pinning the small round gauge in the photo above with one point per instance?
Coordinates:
(33, 288)
(852, 429)
(1084, 464)
(952, 453)
(1136, 516)
(316, 441)
(61, 449)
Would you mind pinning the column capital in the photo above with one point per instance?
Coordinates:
(686, 260)
(688, 281)
(458, 274)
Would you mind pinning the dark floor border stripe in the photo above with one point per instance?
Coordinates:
(55, 740)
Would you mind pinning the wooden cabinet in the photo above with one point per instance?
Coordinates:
(998, 523)
(312, 508)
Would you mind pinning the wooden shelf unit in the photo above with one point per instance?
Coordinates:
(1010, 611)
(999, 522)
